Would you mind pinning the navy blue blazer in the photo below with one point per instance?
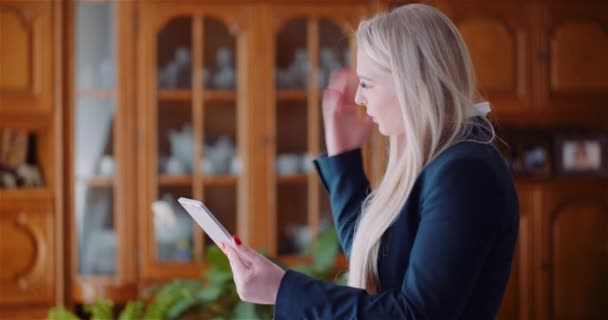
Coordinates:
(447, 256)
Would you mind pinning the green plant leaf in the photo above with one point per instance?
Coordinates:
(305, 269)
(209, 293)
(102, 309)
(326, 251)
(180, 307)
(216, 258)
(132, 311)
(245, 311)
(217, 275)
(168, 295)
(61, 313)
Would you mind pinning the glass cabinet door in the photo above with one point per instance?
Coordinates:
(100, 248)
(94, 144)
(193, 134)
(306, 51)
(103, 248)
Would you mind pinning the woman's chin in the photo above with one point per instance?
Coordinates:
(383, 131)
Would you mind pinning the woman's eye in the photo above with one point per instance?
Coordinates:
(363, 85)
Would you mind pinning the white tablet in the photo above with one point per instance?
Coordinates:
(203, 216)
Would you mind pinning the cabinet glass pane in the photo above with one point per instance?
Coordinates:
(95, 46)
(334, 51)
(219, 61)
(173, 226)
(175, 138)
(94, 168)
(220, 155)
(292, 65)
(174, 55)
(221, 200)
(220, 106)
(334, 54)
(291, 123)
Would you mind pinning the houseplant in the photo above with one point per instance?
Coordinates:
(214, 295)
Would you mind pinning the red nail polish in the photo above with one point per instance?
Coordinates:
(236, 240)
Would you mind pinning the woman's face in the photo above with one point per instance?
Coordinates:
(377, 92)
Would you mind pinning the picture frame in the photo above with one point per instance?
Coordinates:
(581, 155)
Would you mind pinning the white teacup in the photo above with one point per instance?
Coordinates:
(287, 164)
(207, 167)
(106, 166)
(306, 163)
(175, 167)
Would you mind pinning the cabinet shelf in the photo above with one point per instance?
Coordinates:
(32, 194)
(23, 199)
(105, 181)
(35, 119)
(292, 95)
(177, 94)
(219, 95)
(186, 95)
(220, 180)
(293, 179)
(175, 180)
(96, 94)
(187, 180)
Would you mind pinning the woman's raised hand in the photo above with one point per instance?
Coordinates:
(345, 129)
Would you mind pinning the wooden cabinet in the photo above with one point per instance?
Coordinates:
(540, 63)
(245, 105)
(561, 259)
(304, 44)
(26, 60)
(30, 222)
(573, 40)
(571, 254)
(499, 38)
(226, 95)
(194, 115)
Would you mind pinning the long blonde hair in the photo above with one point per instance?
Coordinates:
(435, 85)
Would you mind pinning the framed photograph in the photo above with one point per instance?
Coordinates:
(581, 155)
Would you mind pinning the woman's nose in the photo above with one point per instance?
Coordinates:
(359, 97)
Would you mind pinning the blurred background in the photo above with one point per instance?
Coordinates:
(112, 110)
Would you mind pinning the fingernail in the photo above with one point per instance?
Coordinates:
(236, 240)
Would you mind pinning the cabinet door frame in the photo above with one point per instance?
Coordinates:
(121, 286)
(586, 107)
(517, 103)
(557, 196)
(37, 97)
(273, 18)
(154, 15)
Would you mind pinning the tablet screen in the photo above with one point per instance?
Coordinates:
(212, 227)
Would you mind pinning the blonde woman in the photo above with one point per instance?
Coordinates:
(435, 238)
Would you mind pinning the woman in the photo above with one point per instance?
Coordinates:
(435, 238)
